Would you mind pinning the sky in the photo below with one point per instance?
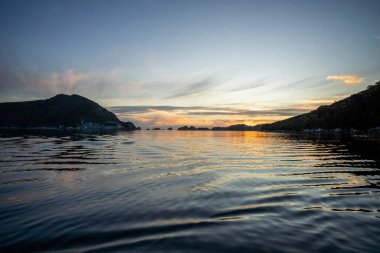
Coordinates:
(163, 63)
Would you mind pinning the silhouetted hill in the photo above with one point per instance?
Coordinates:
(60, 112)
(359, 111)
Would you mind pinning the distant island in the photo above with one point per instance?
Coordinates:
(238, 127)
(360, 112)
(61, 112)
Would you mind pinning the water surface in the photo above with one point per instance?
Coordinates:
(175, 191)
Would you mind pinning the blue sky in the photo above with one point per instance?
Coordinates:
(249, 61)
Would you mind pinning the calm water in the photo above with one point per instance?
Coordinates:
(173, 191)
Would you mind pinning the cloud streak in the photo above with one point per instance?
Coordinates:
(165, 116)
(256, 84)
(348, 80)
(174, 116)
(26, 81)
(193, 88)
(205, 111)
(16, 79)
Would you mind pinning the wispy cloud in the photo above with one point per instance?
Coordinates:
(148, 108)
(23, 80)
(252, 85)
(164, 116)
(311, 104)
(72, 78)
(192, 88)
(204, 111)
(17, 79)
(349, 80)
(27, 81)
(377, 37)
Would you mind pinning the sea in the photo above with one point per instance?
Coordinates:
(188, 191)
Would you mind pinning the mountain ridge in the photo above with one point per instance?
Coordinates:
(59, 112)
(359, 111)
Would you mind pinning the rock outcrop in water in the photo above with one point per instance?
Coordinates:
(360, 111)
(59, 112)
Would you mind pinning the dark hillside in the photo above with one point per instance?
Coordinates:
(61, 111)
(359, 111)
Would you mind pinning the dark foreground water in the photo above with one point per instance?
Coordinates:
(172, 191)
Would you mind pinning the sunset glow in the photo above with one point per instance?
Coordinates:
(252, 62)
(190, 126)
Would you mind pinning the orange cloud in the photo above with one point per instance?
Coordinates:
(349, 80)
(73, 78)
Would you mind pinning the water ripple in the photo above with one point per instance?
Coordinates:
(171, 191)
